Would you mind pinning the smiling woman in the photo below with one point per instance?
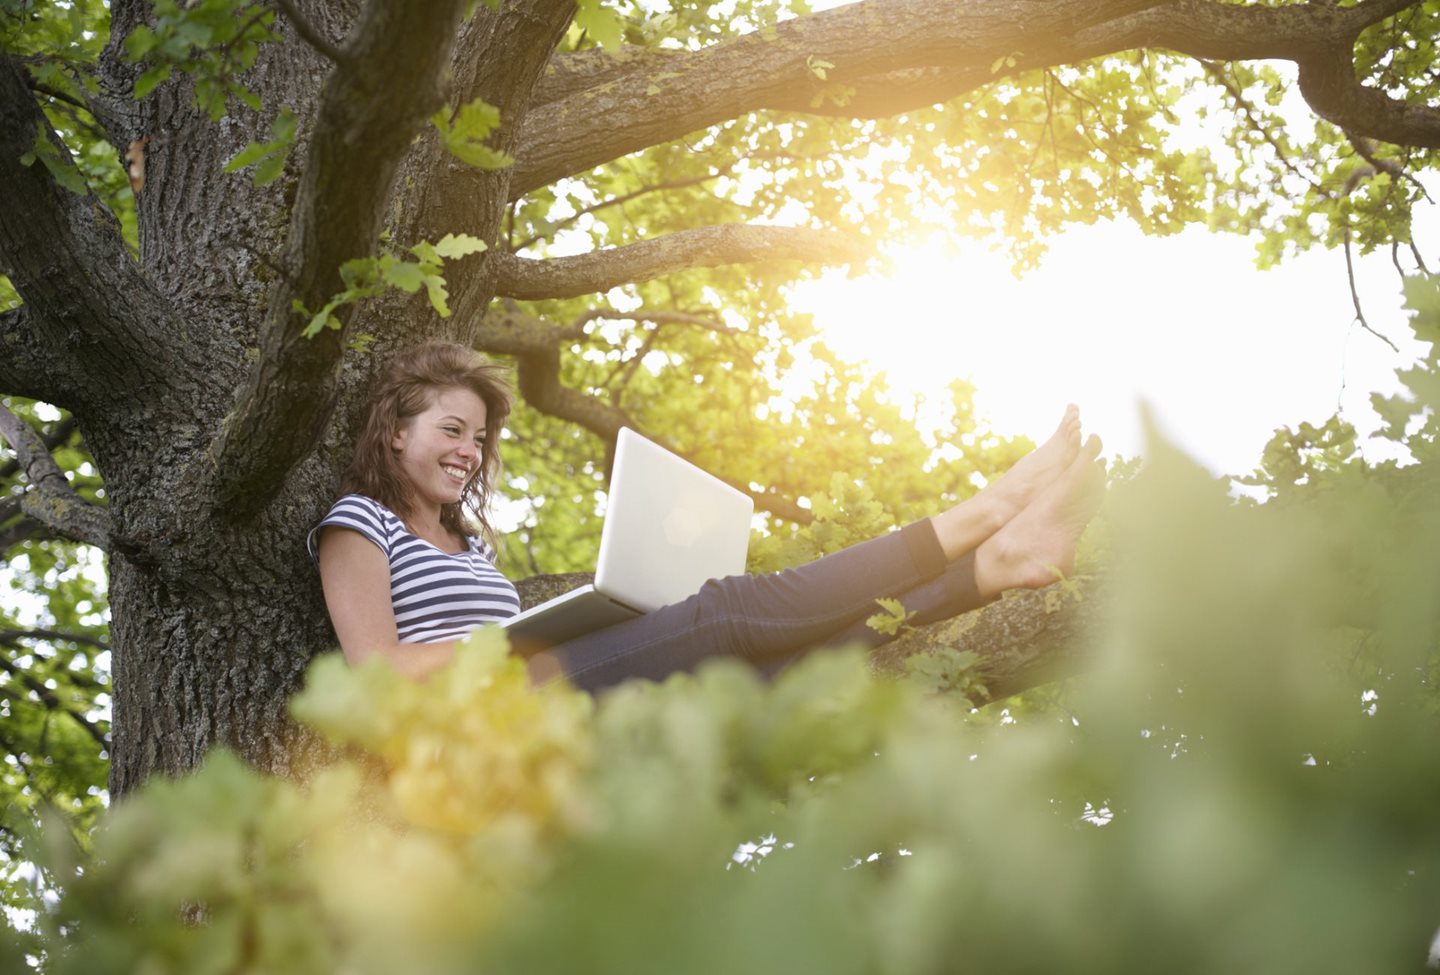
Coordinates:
(406, 576)
(410, 567)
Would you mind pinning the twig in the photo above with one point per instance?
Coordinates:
(58, 95)
(12, 637)
(308, 33)
(1419, 261)
(679, 184)
(1355, 296)
(1218, 74)
(52, 701)
(1366, 150)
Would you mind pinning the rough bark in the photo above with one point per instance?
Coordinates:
(220, 435)
(569, 277)
(904, 54)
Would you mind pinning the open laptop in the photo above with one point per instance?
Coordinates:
(669, 527)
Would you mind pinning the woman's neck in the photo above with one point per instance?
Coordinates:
(427, 525)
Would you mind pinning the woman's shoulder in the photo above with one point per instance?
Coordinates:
(362, 504)
(362, 514)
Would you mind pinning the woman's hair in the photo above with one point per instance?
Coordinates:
(408, 386)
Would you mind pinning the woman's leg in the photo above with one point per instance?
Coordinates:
(761, 618)
(930, 565)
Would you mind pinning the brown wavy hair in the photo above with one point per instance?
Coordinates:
(408, 387)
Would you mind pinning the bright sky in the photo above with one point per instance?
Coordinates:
(1223, 353)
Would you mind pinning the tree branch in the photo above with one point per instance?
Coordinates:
(621, 200)
(1026, 639)
(53, 501)
(1366, 150)
(654, 318)
(903, 54)
(21, 530)
(13, 637)
(307, 32)
(52, 701)
(567, 277)
(363, 128)
(1217, 74)
(535, 345)
(1360, 318)
(58, 436)
(91, 327)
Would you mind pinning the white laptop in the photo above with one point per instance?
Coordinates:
(669, 527)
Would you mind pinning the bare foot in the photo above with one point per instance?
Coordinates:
(961, 528)
(1034, 472)
(1040, 541)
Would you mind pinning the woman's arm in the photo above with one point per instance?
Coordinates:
(356, 579)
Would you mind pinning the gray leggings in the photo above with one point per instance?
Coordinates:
(772, 620)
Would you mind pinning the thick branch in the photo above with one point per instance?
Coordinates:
(1028, 638)
(377, 99)
(53, 501)
(58, 436)
(89, 313)
(567, 277)
(900, 55)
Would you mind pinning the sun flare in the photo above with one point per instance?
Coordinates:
(1222, 353)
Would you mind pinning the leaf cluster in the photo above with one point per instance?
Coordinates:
(213, 41)
(366, 277)
(464, 132)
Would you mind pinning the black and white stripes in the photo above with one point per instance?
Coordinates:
(436, 596)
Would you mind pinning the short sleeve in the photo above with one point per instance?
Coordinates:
(356, 513)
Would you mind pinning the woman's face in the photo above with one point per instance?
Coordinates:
(439, 449)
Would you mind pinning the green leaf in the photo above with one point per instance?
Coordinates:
(892, 620)
(267, 157)
(270, 169)
(140, 42)
(404, 275)
(56, 161)
(458, 245)
(818, 66)
(439, 297)
(464, 135)
(248, 156)
(602, 24)
(151, 77)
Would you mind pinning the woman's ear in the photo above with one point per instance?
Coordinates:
(398, 438)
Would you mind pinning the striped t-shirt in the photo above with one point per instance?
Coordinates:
(436, 596)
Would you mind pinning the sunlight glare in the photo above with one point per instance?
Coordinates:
(1223, 353)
